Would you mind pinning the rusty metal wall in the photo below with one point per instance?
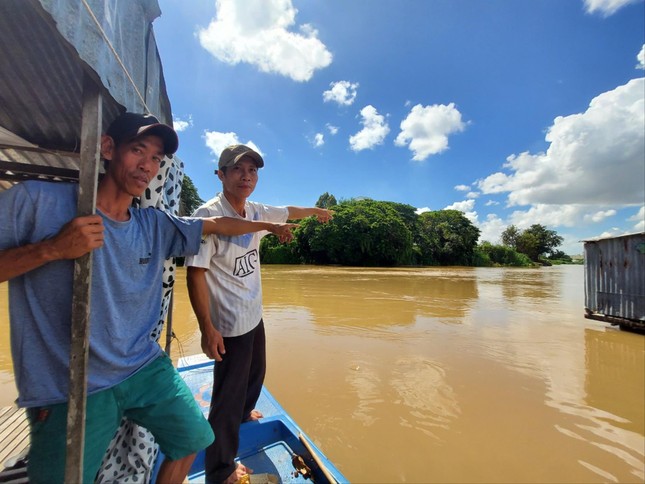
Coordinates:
(615, 277)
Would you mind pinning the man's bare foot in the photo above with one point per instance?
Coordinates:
(254, 415)
(239, 472)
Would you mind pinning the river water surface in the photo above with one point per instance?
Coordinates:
(443, 375)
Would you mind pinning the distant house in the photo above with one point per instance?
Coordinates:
(615, 280)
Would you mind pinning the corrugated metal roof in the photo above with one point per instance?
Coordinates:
(46, 46)
(609, 237)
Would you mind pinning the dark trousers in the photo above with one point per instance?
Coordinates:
(237, 384)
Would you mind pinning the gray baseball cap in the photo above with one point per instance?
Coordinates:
(234, 153)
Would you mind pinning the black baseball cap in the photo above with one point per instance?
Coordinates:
(129, 126)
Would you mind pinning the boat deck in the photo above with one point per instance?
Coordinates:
(269, 445)
(14, 443)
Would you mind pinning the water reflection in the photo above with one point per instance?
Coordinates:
(609, 357)
(372, 297)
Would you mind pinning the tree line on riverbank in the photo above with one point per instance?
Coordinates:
(366, 232)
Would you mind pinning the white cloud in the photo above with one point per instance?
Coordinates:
(599, 216)
(491, 202)
(426, 129)
(467, 207)
(217, 141)
(462, 188)
(594, 158)
(641, 58)
(421, 210)
(472, 195)
(556, 215)
(491, 229)
(332, 129)
(592, 167)
(257, 32)
(463, 206)
(181, 125)
(606, 7)
(612, 232)
(571, 244)
(374, 131)
(639, 218)
(341, 92)
(319, 140)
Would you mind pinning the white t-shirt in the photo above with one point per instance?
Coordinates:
(234, 280)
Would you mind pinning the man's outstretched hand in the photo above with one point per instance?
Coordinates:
(283, 231)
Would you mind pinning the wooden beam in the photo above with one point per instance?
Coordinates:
(88, 180)
(11, 170)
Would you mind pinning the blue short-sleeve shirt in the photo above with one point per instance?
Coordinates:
(126, 291)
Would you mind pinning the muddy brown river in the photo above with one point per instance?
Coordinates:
(443, 375)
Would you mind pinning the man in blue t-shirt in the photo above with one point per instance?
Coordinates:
(128, 373)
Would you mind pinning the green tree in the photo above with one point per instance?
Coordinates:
(272, 251)
(362, 233)
(510, 236)
(189, 200)
(501, 255)
(561, 256)
(446, 237)
(535, 242)
(547, 240)
(407, 213)
(326, 200)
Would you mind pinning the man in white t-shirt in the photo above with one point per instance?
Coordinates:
(225, 291)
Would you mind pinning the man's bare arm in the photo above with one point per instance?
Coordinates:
(322, 214)
(237, 226)
(212, 341)
(76, 238)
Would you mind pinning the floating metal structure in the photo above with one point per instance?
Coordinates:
(615, 280)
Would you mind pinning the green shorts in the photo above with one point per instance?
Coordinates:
(155, 397)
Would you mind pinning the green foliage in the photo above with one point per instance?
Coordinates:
(367, 232)
(510, 236)
(446, 237)
(536, 241)
(362, 233)
(481, 259)
(326, 200)
(274, 252)
(189, 200)
(501, 255)
(560, 256)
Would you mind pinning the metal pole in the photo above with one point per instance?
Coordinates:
(88, 180)
(169, 323)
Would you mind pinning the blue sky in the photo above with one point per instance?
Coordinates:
(514, 112)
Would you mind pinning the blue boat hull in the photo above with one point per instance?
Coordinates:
(267, 445)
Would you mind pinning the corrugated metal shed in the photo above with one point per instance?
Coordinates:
(46, 48)
(615, 280)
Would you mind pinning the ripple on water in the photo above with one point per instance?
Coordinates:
(422, 388)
